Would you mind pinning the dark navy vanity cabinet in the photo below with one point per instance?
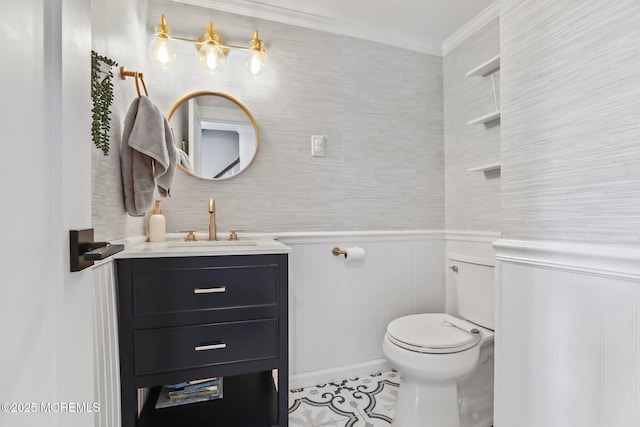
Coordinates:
(189, 318)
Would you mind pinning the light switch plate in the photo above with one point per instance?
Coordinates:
(317, 145)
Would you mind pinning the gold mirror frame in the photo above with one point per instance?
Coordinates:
(239, 104)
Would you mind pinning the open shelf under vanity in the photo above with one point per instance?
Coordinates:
(248, 400)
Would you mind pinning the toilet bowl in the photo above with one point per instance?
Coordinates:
(436, 352)
(432, 352)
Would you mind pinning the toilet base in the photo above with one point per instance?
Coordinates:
(422, 404)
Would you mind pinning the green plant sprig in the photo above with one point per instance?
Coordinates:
(102, 98)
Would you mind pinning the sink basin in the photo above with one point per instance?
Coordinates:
(210, 243)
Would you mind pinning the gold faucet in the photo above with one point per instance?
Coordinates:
(213, 230)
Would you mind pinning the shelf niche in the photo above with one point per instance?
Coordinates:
(491, 170)
(486, 68)
(486, 118)
(492, 167)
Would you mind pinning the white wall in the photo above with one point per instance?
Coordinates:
(472, 199)
(570, 127)
(107, 356)
(568, 325)
(219, 149)
(117, 31)
(72, 159)
(477, 244)
(45, 311)
(339, 311)
(568, 348)
(29, 296)
(380, 109)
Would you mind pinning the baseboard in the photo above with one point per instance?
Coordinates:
(323, 376)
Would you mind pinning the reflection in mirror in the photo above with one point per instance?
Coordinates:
(216, 135)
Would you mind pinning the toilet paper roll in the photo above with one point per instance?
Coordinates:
(354, 254)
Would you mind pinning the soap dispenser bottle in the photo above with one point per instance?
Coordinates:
(157, 224)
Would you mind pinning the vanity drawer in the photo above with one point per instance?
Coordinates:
(170, 349)
(177, 290)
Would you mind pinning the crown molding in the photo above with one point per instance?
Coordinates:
(256, 9)
(486, 16)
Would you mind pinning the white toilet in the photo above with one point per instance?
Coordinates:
(446, 362)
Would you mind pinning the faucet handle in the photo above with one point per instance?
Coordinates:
(191, 235)
(233, 236)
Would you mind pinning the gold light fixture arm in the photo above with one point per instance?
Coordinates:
(210, 36)
(221, 42)
(163, 30)
(256, 43)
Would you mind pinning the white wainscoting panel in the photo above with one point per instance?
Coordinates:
(107, 366)
(568, 337)
(339, 311)
(106, 348)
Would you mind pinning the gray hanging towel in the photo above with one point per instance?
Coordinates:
(148, 156)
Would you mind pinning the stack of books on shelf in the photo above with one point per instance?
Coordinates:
(190, 392)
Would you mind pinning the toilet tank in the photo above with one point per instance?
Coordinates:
(475, 288)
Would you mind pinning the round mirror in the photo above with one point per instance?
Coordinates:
(216, 135)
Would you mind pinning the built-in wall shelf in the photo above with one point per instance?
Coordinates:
(486, 68)
(486, 118)
(491, 167)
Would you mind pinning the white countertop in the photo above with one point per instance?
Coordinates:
(176, 246)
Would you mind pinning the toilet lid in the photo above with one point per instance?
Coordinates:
(432, 333)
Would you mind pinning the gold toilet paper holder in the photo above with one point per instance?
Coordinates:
(337, 251)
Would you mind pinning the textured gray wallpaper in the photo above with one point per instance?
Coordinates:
(380, 109)
(117, 33)
(472, 200)
(571, 120)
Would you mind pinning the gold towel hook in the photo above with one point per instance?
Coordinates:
(137, 86)
(124, 73)
(144, 86)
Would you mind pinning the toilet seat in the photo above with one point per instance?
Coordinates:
(433, 333)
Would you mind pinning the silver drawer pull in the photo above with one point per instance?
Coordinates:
(217, 290)
(210, 347)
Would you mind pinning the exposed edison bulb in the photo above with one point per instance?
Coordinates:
(211, 56)
(257, 54)
(160, 52)
(159, 49)
(256, 61)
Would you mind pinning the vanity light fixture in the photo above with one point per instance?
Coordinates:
(211, 47)
(160, 48)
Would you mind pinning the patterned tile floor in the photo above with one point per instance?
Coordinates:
(367, 401)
